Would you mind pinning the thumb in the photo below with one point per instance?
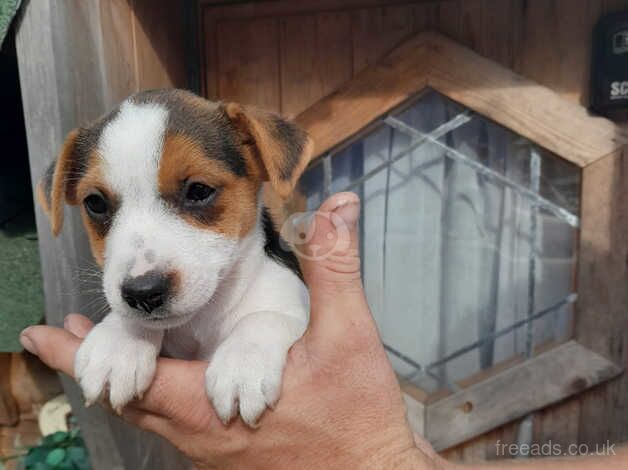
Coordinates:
(330, 259)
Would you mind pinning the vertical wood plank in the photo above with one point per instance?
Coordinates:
(376, 31)
(159, 43)
(486, 26)
(248, 62)
(601, 320)
(74, 59)
(483, 447)
(118, 50)
(497, 37)
(554, 32)
(425, 16)
(545, 40)
(558, 423)
(613, 5)
(209, 58)
(54, 99)
(449, 19)
(308, 70)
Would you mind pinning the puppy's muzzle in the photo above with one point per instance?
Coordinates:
(146, 292)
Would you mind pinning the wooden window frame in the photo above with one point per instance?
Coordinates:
(596, 145)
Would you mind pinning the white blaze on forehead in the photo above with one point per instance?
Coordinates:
(130, 146)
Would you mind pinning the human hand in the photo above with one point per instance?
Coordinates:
(340, 406)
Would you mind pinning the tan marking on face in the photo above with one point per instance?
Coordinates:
(53, 197)
(42, 199)
(93, 180)
(233, 211)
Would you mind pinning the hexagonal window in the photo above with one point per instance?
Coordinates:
(472, 186)
(465, 222)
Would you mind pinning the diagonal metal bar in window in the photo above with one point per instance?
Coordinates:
(423, 371)
(454, 154)
(571, 298)
(535, 186)
(437, 133)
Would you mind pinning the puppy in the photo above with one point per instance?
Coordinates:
(169, 187)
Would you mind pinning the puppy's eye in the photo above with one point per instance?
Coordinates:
(96, 205)
(198, 193)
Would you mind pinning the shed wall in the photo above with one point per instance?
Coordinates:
(287, 55)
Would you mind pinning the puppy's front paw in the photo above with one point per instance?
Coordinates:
(244, 376)
(113, 358)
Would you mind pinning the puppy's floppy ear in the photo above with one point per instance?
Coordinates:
(54, 188)
(282, 148)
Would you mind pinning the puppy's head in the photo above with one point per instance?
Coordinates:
(168, 185)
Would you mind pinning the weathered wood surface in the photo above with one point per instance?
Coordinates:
(76, 60)
(250, 56)
(367, 97)
(415, 413)
(431, 60)
(308, 70)
(602, 317)
(547, 41)
(533, 111)
(545, 379)
(515, 33)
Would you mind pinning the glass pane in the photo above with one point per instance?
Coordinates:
(469, 238)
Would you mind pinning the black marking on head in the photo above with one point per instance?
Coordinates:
(274, 249)
(102, 225)
(86, 141)
(293, 138)
(201, 120)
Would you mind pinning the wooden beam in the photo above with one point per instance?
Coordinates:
(545, 379)
(431, 60)
(415, 413)
(55, 100)
(368, 96)
(601, 317)
(527, 108)
(76, 60)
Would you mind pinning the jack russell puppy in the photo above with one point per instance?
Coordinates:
(169, 186)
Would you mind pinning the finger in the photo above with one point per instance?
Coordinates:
(177, 392)
(150, 422)
(331, 258)
(332, 269)
(78, 325)
(54, 346)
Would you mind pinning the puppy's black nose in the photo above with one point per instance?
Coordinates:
(146, 292)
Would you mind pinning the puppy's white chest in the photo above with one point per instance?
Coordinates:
(270, 288)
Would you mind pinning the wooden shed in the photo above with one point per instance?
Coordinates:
(462, 124)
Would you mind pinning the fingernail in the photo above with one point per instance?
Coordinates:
(349, 212)
(27, 342)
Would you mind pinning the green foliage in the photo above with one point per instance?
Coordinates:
(58, 451)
